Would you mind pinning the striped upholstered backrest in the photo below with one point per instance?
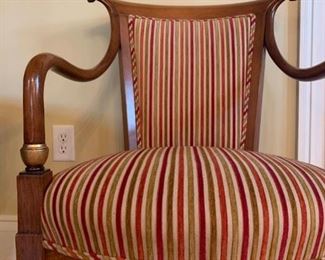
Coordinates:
(191, 80)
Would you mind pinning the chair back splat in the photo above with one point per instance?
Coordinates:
(192, 74)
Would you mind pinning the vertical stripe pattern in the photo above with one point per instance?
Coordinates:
(191, 80)
(187, 203)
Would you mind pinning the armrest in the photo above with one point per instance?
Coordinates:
(34, 151)
(308, 74)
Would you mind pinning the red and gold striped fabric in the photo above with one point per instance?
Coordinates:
(187, 203)
(191, 80)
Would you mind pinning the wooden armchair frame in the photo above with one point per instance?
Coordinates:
(32, 183)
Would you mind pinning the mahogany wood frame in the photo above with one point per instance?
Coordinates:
(32, 183)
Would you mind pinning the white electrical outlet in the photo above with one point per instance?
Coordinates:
(63, 143)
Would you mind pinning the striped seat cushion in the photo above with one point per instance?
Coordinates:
(191, 80)
(187, 203)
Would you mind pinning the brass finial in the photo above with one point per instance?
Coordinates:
(34, 156)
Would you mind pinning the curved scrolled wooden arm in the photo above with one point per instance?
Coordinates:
(308, 74)
(34, 152)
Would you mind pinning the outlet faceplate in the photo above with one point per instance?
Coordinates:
(63, 143)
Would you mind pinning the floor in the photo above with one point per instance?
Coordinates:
(7, 245)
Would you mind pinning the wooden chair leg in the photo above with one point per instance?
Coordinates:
(31, 188)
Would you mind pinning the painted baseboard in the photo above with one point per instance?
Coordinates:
(8, 223)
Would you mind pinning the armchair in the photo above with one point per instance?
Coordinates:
(191, 184)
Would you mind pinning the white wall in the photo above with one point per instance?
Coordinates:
(77, 31)
(279, 116)
(311, 116)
